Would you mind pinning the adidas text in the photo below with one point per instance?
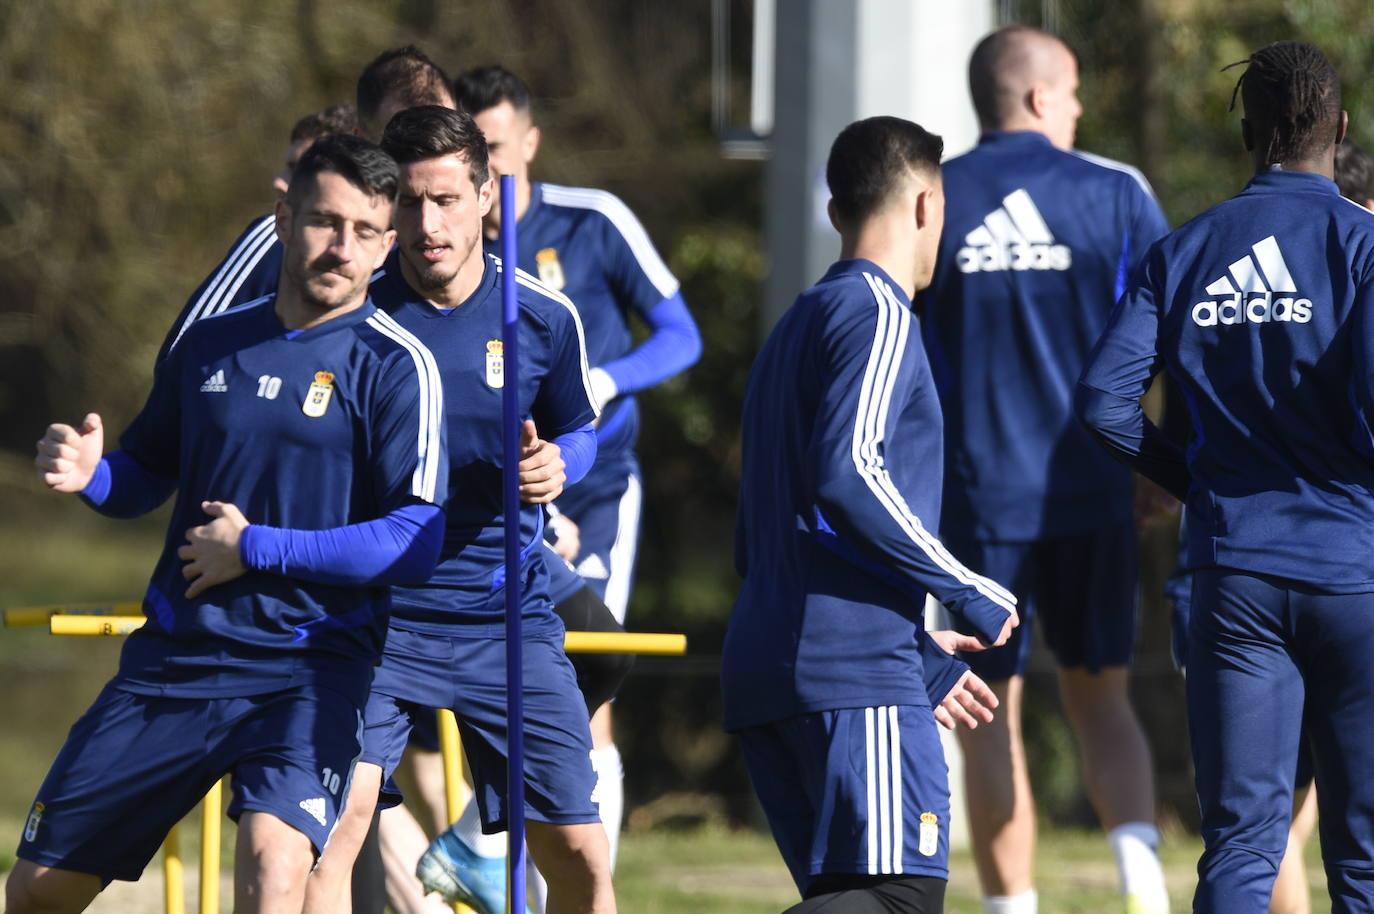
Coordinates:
(1256, 289)
(215, 384)
(995, 258)
(1013, 237)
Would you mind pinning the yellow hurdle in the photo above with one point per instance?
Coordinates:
(123, 618)
(173, 878)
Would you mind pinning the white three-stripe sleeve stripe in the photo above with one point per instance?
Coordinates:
(232, 274)
(872, 793)
(875, 395)
(424, 482)
(894, 742)
(625, 222)
(530, 282)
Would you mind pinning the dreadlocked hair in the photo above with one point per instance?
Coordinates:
(1290, 90)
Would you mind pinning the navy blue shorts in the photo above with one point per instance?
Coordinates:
(420, 672)
(135, 765)
(1081, 589)
(858, 790)
(606, 508)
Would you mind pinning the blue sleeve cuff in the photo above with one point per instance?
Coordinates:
(401, 547)
(122, 487)
(674, 344)
(578, 449)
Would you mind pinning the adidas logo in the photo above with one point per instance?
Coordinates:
(1013, 237)
(215, 384)
(594, 568)
(315, 806)
(1253, 289)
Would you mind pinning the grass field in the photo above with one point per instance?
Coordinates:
(739, 872)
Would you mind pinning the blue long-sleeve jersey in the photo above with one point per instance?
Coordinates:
(1262, 309)
(1037, 246)
(839, 498)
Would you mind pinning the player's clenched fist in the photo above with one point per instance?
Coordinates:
(541, 467)
(67, 457)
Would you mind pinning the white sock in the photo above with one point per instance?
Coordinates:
(610, 793)
(1134, 844)
(1025, 903)
(469, 828)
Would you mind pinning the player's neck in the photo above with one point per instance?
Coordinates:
(893, 251)
(524, 192)
(295, 313)
(458, 289)
(1323, 164)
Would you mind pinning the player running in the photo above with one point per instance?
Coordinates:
(842, 465)
(267, 609)
(1262, 309)
(446, 643)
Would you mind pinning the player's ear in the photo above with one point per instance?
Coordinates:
(532, 138)
(283, 220)
(486, 194)
(834, 216)
(1343, 127)
(388, 239)
(1035, 101)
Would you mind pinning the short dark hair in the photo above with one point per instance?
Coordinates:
(869, 160)
(334, 119)
(1292, 98)
(404, 73)
(486, 87)
(997, 60)
(1354, 172)
(360, 163)
(431, 131)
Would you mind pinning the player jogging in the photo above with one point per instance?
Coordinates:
(1262, 309)
(840, 490)
(446, 643)
(286, 533)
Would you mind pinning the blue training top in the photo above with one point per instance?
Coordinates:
(840, 491)
(587, 244)
(467, 587)
(1262, 309)
(1037, 246)
(320, 428)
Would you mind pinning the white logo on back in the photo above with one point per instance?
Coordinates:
(1253, 290)
(1013, 237)
(215, 384)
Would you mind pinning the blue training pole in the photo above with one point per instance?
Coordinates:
(510, 427)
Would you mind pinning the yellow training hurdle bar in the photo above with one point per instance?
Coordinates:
(113, 619)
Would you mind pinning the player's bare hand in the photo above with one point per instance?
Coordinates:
(951, 641)
(970, 701)
(211, 552)
(567, 538)
(67, 457)
(541, 467)
(1013, 620)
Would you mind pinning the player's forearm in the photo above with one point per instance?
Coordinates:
(1122, 428)
(400, 547)
(673, 345)
(872, 516)
(122, 487)
(578, 450)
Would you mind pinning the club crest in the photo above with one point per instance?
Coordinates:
(496, 364)
(318, 396)
(550, 270)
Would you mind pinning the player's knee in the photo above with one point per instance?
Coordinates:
(33, 889)
(570, 851)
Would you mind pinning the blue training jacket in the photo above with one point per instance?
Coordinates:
(1037, 247)
(839, 498)
(1262, 308)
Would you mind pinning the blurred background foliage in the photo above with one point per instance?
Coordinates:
(137, 137)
